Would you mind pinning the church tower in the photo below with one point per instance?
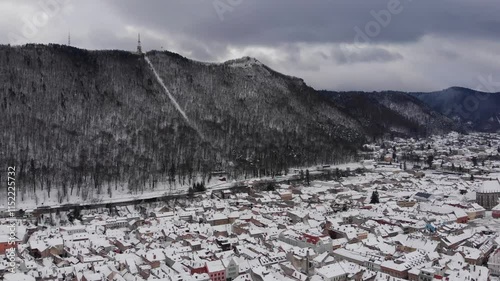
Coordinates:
(139, 48)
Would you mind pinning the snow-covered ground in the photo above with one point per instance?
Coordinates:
(122, 193)
(489, 221)
(119, 195)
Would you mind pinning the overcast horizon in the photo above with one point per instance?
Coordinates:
(336, 45)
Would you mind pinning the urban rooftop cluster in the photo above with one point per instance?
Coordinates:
(410, 210)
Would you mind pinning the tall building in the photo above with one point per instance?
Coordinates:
(487, 195)
(494, 263)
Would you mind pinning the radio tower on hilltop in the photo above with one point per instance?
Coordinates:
(69, 39)
(139, 48)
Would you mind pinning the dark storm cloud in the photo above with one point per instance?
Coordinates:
(342, 44)
(289, 21)
(368, 54)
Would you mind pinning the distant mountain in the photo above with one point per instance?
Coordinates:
(477, 110)
(391, 113)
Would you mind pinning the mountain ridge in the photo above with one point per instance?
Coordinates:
(392, 113)
(476, 110)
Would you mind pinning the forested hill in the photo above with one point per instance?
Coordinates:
(392, 113)
(477, 110)
(77, 118)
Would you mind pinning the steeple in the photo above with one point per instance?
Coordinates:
(139, 48)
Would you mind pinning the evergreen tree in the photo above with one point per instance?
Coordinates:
(75, 214)
(474, 161)
(430, 159)
(199, 187)
(172, 173)
(375, 198)
(307, 177)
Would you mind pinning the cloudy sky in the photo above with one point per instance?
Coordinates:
(418, 45)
